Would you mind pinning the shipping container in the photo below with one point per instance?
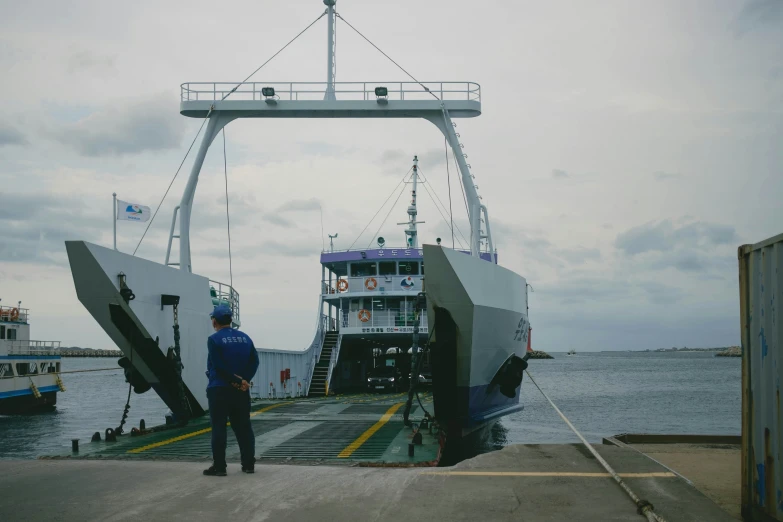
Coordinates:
(761, 320)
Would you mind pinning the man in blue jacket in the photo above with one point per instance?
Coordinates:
(231, 365)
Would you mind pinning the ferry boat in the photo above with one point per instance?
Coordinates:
(157, 313)
(29, 370)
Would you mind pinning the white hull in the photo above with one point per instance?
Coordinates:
(488, 306)
(134, 326)
(17, 395)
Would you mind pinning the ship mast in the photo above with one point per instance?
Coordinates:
(330, 57)
(411, 234)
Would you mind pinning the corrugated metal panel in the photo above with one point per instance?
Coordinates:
(761, 311)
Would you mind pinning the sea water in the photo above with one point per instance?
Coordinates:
(602, 393)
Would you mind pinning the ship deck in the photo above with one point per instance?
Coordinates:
(360, 429)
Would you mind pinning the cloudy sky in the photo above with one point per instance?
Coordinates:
(626, 148)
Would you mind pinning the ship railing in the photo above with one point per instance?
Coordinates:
(222, 293)
(385, 248)
(387, 318)
(375, 284)
(25, 347)
(322, 325)
(314, 91)
(333, 362)
(14, 314)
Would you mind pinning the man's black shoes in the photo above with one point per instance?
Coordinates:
(215, 472)
(212, 471)
(249, 467)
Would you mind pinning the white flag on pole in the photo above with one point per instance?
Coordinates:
(132, 212)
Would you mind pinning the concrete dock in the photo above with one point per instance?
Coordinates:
(522, 482)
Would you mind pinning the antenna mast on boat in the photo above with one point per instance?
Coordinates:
(412, 237)
(331, 60)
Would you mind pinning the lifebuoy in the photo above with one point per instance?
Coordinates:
(14, 314)
(342, 285)
(371, 283)
(364, 315)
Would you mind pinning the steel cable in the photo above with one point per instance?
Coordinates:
(389, 57)
(644, 507)
(212, 108)
(228, 219)
(380, 208)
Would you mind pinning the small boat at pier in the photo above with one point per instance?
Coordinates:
(29, 369)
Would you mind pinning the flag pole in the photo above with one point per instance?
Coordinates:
(114, 218)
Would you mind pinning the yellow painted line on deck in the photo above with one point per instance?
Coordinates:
(353, 446)
(262, 410)
(664, 474)
(197, 433)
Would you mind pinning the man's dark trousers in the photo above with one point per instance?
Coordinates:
(229, 404)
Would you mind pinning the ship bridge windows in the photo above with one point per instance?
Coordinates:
(364, 269)
(6, 370)
(10, 334)
(409, 268)
(2, 331)
(387, 268)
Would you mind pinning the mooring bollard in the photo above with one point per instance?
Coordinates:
(75, 445)
(96, 437)
(410, 449)
(142, 425)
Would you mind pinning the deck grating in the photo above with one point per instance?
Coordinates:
(299, 430)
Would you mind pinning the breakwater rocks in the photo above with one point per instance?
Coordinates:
(731, 351)
(538, 354)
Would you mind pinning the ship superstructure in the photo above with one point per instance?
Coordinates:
(370, 296)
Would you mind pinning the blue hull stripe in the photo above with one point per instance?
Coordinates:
(28, 391)
(27, 357)
(483, 406)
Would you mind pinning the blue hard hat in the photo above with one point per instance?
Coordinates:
(221, 311)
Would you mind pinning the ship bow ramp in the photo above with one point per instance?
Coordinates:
(479, 313)
(140, 320)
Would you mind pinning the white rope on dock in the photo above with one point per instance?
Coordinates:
(644, 507)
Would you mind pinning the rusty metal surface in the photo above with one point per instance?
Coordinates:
(761, 317)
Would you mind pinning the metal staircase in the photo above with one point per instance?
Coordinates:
(321, 370)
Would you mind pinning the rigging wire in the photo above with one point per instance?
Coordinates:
(388, 57)
(448, 178)
(228, 219)
(387, 215)
(380, 208)
(444, 209)
(172, 180)
(442, 216)
(464, 197)
(211, 109)
(273, 56)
